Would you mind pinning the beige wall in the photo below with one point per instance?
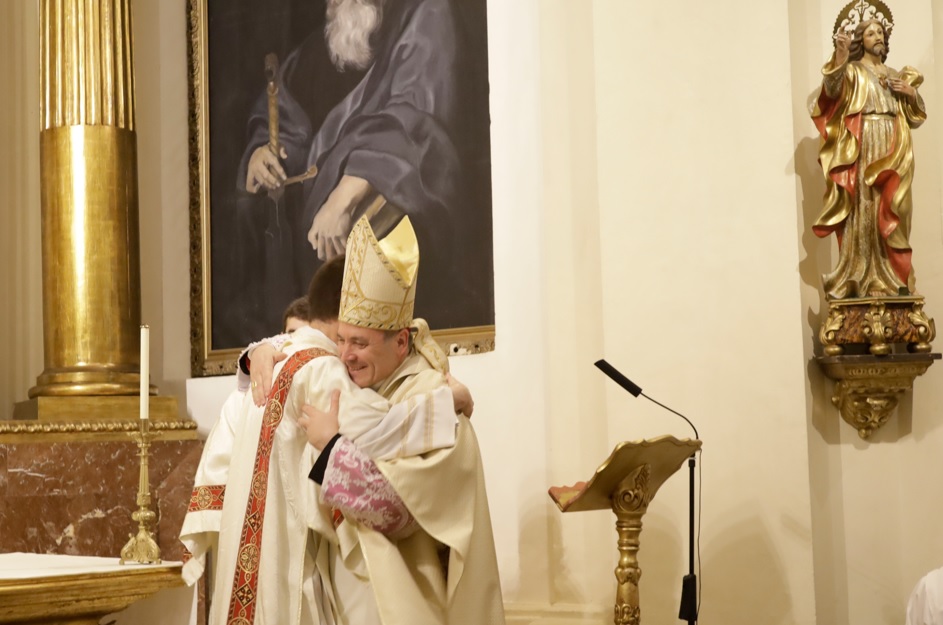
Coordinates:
(654, 181)
(160, 30)
(701, 293)
(21, 314)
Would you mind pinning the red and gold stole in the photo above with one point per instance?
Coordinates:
(246, 580)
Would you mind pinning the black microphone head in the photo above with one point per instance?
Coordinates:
(618, 378)
(635, 389)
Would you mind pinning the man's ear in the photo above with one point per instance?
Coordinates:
(402, 342)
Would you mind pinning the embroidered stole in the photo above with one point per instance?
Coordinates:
(242, 602)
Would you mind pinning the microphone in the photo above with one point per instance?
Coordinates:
(635, 389)
(689, 608)
(618, 378)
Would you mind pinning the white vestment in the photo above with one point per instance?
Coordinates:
(925, 606)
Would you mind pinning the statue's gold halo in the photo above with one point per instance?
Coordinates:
(858, 11)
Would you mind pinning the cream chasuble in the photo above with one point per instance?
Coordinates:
(444, 490)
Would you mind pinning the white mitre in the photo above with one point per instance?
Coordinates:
(379, 288)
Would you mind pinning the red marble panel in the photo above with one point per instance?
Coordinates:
(173, 497)
(77, 498)
(3, 474)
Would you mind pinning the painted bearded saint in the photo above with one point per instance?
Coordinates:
(864, 114)
(380, 100)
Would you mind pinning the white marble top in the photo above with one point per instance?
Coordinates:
(33, 565)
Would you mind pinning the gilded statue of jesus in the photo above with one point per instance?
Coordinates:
(865, 113)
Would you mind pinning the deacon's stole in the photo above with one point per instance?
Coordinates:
(207, 498)
(242, 602)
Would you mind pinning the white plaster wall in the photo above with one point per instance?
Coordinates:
(21, 313)
(160, 47)
(701, 293)
(510, 421)
(582, 546)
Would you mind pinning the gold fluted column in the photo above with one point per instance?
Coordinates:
(89, 198)
(90, 240)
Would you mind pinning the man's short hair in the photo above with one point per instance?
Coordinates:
(388, 335)
(324, 293)
(298, 309)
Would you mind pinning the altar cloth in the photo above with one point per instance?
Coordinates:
(41, 565)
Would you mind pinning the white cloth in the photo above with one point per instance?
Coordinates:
(201, 525)
(417, 425)
(925, 606)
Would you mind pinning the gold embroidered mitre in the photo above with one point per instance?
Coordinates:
(380, 277)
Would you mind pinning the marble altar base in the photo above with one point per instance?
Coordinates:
(76, 498)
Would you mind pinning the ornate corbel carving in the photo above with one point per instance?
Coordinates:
(925, 327)
(869, 387)
(828, 333)
(878, 328)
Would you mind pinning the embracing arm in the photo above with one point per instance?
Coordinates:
(352, 484)
(256, 366)
(350, 481)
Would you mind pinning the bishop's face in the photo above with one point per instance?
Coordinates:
(371, 356)
(873, 40)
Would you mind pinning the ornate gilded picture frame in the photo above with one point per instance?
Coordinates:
(406, 116)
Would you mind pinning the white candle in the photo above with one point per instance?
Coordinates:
(145, 373)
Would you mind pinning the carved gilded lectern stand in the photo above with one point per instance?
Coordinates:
(626, 483)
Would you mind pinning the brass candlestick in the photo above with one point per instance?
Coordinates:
(142, 548)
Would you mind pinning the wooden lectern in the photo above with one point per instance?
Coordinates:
(627, 482)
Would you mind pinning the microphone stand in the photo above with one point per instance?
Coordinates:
(688, 610)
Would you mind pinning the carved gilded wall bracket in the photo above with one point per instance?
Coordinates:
(864, 341)
(869, 387)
